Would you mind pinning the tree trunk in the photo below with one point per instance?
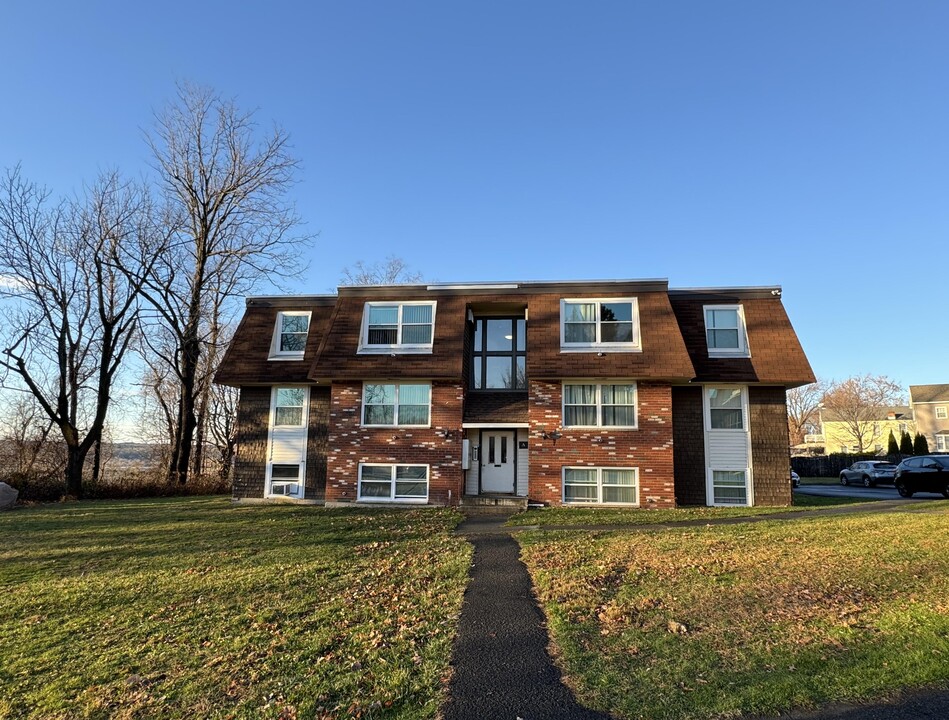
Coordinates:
(96, 461)
(187, 421)
(202, 418)
(75, 459)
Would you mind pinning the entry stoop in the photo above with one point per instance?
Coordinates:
(490, 504)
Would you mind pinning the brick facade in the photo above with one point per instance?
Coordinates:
(770, 455)
(351, 444)
(649, 448)
(688, 432)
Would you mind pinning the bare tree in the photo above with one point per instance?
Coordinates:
(803, 403)
(235, 228)
(72, 273)
(858, 402)
(393, 271)
(222, 425)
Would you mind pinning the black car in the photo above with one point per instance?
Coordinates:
(868, 472)
(927, 473)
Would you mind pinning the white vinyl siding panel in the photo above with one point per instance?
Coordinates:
(523, 458)
(286, 447)
(727, 448)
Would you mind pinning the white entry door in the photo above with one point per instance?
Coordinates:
(498, 450)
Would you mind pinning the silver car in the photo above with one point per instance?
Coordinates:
(868, 473)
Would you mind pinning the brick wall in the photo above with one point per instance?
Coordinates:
(350, 444)
(688, 432)
(649, 448)
(770, 456)
(250, 462)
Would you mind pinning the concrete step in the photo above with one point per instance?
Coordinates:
(490, 504)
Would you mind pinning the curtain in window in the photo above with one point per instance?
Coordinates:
(579, 322)
(579, 405)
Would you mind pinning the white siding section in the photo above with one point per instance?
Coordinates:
(288, 445)
(471, 475)
(728, 450)
(523, 456)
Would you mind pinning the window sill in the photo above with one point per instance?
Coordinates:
(395, 350)
(284, 358)
(730, 354)
(577, 503)
(603, 428)
(397, 501)
(601, 349)
(396, 427)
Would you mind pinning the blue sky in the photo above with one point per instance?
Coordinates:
(804, 144)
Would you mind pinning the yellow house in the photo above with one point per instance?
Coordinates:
(844, 436)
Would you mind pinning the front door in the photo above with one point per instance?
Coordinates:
(497, 461)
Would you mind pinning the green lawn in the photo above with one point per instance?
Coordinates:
(775, 615)
(638, 516)
(185, 608)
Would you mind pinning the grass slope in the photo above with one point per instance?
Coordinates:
(195, 608)
(776, 614)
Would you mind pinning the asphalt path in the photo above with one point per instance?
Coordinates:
(881, 492)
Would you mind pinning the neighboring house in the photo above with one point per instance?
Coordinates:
(840, 436)
(600, 392)
(931, 406)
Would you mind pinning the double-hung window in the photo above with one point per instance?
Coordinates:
(499, 357)
(407, 404)
(599, 405)
(597, 485)
(725, 330)
(397, 327)
(289, 407)
(941, 413)
(725, 409)
(290, 333)
(386, 483)
(592, 324)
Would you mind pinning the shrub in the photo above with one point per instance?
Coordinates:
(920, 445)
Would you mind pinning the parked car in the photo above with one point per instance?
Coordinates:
(795, 479)
(868, 472)
(926, 473)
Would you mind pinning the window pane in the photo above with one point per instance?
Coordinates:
(384, 315)
(293, 342)
(374, 489)
(414, 394)
(479, 324)
(295, 323)
(619, 415)
(380, 415)
(417, 314)
(619, 494)
(290, 397)
(723, 319)
(411, 472)
(476, 372)
(611, 332)
(724, 397)
(579, 493)
(416, 334)
(500, 334)
(579, 332)
(611, 312)
(383, 335)
(520, 381)
(285, 472)
(413, 414)
(579, 312)
(585, 476)
(376, 473)
(619, 477)
(499, 373)
(723, 339)
(288, 416)
(379, 394)
(411, 489)
(579, 415)
(579, 394)
(522, 335)
(725, 419)
(618, 394)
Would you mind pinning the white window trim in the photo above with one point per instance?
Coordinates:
(275, 352)
(362, 409)
(746, 429)
(743, 350)
(402, 348)
(945, 413)
(599, 486)
(707, 406)
(394, 499)
(599, 404)
(942, 443)
(268, 479)
(634, 346)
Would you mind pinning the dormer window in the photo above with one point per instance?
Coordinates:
(599, 324)
(406, 327)
(725, 331)
(290, 333)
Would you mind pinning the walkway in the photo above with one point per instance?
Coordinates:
(503, 671)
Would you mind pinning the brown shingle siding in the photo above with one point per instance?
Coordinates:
(770, 454)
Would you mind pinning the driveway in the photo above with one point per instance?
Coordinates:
(882, 492)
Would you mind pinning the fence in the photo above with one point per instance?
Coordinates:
(831, 465)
